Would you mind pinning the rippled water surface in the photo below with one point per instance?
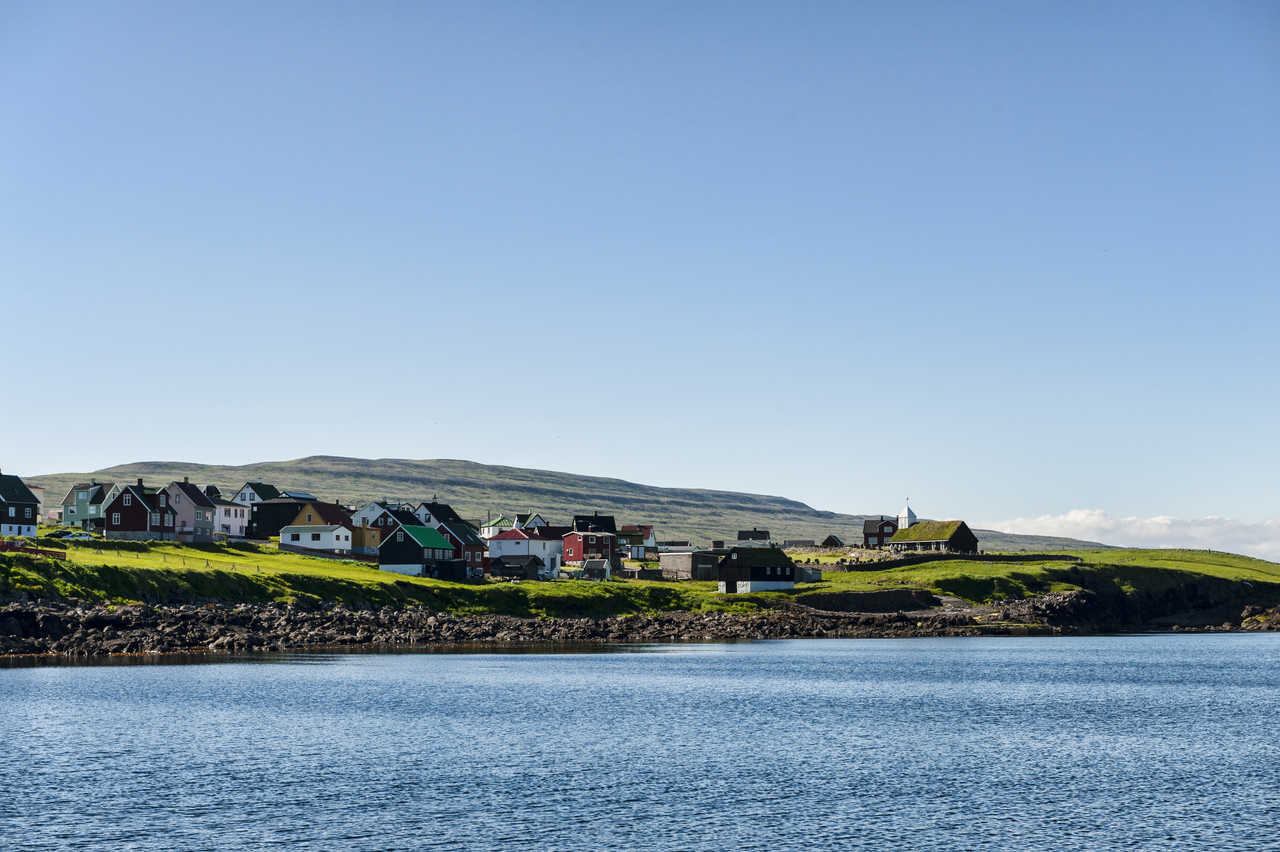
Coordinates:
(1133, 742)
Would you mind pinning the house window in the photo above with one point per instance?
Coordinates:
(155, 518)
(591, 539)
(294, 536)
(128, 500)
(399, 536)
(315, 536)
(308, 518)
(115, 519)
(12, 511)
(28, 512)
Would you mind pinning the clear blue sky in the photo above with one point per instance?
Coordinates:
(1009, 259)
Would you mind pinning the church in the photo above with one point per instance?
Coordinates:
(914, 535)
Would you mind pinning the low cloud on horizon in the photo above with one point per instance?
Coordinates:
(1260, 539)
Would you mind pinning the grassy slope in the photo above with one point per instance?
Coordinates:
(173, 573)
(476, 490)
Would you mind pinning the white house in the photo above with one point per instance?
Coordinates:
(528, 520)
(493, 526)
(546, 543)
(334, 538)
(230, 519)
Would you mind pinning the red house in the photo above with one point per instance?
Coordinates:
(467, 543)
(593, 544)
(142, 513)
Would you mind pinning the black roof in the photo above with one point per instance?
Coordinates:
(443, 512)
(263, 490)
(594, 522)
(14, 490)
(758, 556)
(462, 531)
(520, 561)
(194, 494)
(753, 535)
(872, 525)
(833, 541)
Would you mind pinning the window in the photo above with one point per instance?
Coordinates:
(28, 512)
(293, 536)
(13, 511)
(115, 519)
(128, 499)
(315, 536)
(591, 539)
(155, 518)
(82, 495)
(400, 536)
(308, 517)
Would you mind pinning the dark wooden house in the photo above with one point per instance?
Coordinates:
(142, 513)
(595, 522)
(833, 540)
(517, 567)
(268, 517)
(19, 507)
(414, 550)
(755, 569)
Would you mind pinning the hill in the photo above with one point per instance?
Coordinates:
(479, 491)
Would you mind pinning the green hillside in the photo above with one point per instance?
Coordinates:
(478, 491)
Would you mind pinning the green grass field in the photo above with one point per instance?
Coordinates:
(161, 573)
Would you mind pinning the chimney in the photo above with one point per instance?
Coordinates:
(139, 481)
(185, 481)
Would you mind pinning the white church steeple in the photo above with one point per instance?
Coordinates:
(906, 517)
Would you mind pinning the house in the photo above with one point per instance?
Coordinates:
(325, 538)
(525, 520)
(468, 546)
(19, 507)
(85, 502)
(832, 540)
(433, 514)
(268, 517)
(544, 542)
(519, 568)
(366, 540)
(494, 526)
(943, 536)
(693, 565)
(414, 550)
(138, 512)
(755, 569)
(194, 509)
(382, 514)
(229, 519)
(595, 522)
(255, 492)
(581, 546)
(876, 532)
(637, 541)
(318, 526)
(753, 538)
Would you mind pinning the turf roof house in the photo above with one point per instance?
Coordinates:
(141, 513)
(755, 569)
(194, 509)
(255, 492)
(419, 552)
(937, 536)
(85, 502)
(324, 527)
(19, 507)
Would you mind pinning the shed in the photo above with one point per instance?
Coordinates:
(517, 567)
(832, 541)
(694, 565)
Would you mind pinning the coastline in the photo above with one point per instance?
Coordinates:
(74, 629)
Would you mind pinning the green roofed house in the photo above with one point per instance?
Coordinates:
(414, 550)
(938, 536)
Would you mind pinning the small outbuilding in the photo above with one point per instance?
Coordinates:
(755, 569)
(938, 536)
(517, 567)
(694, 565)
(832, 541)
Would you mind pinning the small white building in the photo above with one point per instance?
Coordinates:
(334, 538)
(906, 517)
(230, 519)
(255, 492)
(495, 526)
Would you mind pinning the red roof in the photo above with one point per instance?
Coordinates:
(509, 535)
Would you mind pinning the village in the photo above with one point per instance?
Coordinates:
(429, 538)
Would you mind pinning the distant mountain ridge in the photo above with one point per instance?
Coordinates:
(478, 491)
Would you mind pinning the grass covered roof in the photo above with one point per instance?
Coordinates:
(928, 531)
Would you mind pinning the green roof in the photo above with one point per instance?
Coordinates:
(428, 537)
(927, 531)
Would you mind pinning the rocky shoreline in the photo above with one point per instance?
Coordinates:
(73, 629)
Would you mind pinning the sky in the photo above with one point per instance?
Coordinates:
(1019, 262)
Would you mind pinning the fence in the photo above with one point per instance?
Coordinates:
(904, 561)
(38, 551)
